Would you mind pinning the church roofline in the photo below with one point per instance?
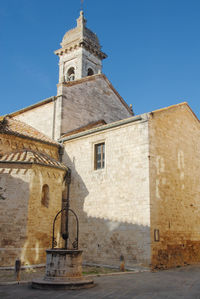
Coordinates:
(11, 126)
(176, 106)
(38, 104)
(71, 83)
(92, 78)
(142, 117)
(89, 126)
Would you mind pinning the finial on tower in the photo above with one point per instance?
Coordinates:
(81, 21)
(80, 55)
(82, 6)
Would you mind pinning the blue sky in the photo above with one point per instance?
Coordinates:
(153, 49)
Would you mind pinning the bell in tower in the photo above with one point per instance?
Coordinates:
(80, 55)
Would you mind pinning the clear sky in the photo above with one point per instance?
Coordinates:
(153, 49)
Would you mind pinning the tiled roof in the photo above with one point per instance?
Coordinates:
(31, 157)
(85, 128)
(12, 126)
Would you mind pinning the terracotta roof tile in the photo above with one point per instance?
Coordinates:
(31, 157)
(12, 126)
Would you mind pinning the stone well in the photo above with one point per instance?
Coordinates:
(63, 271)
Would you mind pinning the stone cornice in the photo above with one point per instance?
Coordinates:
(81, 44)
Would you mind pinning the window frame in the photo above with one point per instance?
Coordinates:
(102, 152)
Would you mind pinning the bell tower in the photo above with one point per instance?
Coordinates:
(80, 55)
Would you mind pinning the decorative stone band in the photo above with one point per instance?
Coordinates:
(82, 44)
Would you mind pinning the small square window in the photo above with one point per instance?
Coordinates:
(99, 156)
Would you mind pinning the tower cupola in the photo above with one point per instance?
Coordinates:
(81, 54)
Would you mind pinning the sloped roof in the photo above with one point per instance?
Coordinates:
(80, 82)
(89, 126)
(96, 78)
(18, 128)
(37, 104)
(183, 104)
(31, 157)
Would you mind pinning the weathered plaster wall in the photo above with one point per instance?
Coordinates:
(174, 186)
(10, 143)
(112, 203)
(26, 225)
(89, 101)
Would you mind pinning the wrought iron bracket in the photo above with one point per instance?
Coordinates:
(66, 235)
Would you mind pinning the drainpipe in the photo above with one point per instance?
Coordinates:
(61, 152)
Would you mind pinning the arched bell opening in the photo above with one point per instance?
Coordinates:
(71, 74)
(90, 72)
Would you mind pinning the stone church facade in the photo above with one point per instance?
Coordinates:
(131, 182)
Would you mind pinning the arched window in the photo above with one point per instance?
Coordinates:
(71, 74)
(90, 72)
(45, 196)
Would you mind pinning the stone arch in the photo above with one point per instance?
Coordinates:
(90, 72)
(70, 74)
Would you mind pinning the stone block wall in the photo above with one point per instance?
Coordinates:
(89, 100)
(80, 59)
(14, 194)
(77, 104)
(112, 203)
(26, 224)
(174, 186)
(40, 218)
(45, 118)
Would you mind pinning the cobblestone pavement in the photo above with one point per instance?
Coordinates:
(171, 284)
